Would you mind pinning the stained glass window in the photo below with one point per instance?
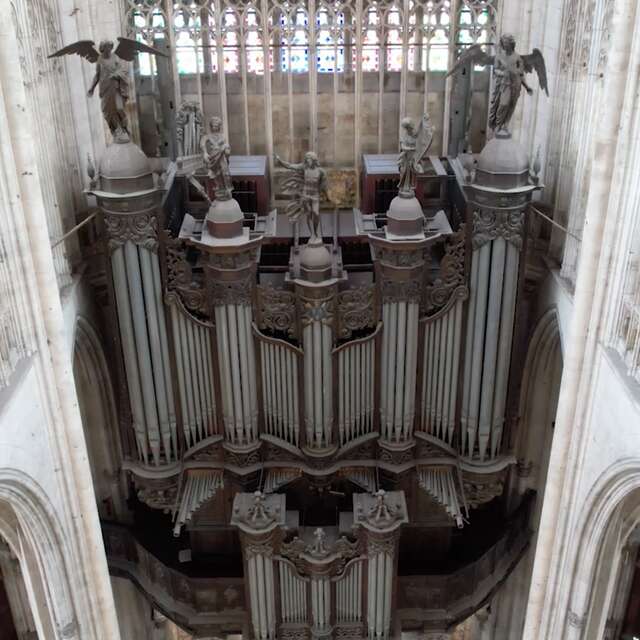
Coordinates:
(394, 41)
(295, 41)
(230, 40)
(370, 42)
(253, 43)
(148, 29)
(188, 37)
(330, 34)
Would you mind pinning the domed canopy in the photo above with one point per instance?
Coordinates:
(124, 168)
(503, 163)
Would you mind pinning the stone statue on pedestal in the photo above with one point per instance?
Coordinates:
(307, 182)
(112, 76)
(216, 152)
(509, 73)
(414, 144)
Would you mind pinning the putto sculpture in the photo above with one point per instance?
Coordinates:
(509, 71)
(215, 153)
(307, 181)
(112, 75)
(414, 144)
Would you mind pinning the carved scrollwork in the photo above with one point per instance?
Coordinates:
(489, 225)
(352, 632)
(139, 228)
(356, 310)
(291, 633)
(451, 277)
(478, 493)
(276, 310)
(159, 498)
(182, 280)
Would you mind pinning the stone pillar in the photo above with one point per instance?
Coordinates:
(315, 273)
(498, 198)
(128, 202)
(261, 520)
(379, 518)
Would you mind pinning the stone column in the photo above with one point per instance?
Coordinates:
(128, 202)
(379, 518)
(261, 520)
(498, 198)
(315, 273)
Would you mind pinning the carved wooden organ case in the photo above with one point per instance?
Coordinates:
(396, 367)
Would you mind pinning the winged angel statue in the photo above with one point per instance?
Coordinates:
(510, 69)
(112, 73)
(414, 144)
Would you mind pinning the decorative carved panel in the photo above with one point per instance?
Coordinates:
(356, 310)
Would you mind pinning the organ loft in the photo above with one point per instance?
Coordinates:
(326, 273)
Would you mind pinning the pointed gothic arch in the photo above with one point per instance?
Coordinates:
(30, 528)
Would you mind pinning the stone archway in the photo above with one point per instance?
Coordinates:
(30, 529)
(610, 519)
(97, 404)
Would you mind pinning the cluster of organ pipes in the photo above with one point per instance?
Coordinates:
(235, 380)
(398, 370)
(440, 364)
(280, 399)
(356, 387)
(192, 345)
(145, 346)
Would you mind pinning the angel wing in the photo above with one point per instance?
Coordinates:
(473, 54)
(127, 49)
(84, 48)
(535, 62)
(424, 138)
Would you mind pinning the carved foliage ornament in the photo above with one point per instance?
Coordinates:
(181, 279)
(356, 310)
(276, 310)
(489, 225)
(139, 228)
(451, 275)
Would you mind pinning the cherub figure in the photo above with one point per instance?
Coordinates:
(216, 152)
(509, 71)
(112, 75)
(414, 144)
(307, 181)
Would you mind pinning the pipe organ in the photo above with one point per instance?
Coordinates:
(374, 361)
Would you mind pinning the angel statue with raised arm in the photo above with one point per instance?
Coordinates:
(306, 181)
(509, 72)
(414, 144)
(112, 75)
